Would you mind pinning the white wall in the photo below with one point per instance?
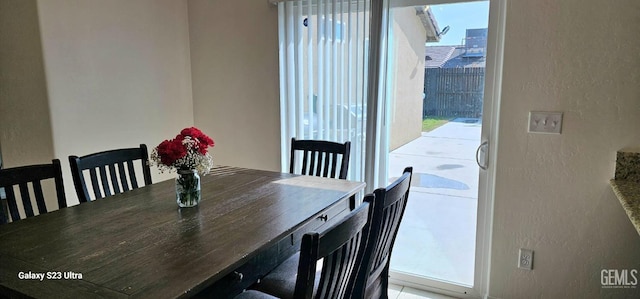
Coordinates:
(25, 124)
(552, 193)
(409, 37)
(234, 62)
(117, 73)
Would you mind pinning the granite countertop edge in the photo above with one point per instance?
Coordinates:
(628, 192)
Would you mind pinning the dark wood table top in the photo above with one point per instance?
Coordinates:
(140, 244)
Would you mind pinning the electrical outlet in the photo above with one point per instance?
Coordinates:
(545, 122)
(525, 259)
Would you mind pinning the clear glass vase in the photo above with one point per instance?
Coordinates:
(188, 188)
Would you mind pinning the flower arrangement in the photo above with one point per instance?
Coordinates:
(188, 151)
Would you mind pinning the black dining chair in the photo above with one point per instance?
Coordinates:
(388, 208)
(120, 165)
(320, 158)
(22, 177)
(340, 247)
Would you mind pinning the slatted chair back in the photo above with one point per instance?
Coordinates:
(321, 158)
(342, 248)
(389, 205)
(111, 172)
(23, 177)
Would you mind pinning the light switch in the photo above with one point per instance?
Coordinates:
(545, 122)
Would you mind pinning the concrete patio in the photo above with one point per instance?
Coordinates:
(437, 235)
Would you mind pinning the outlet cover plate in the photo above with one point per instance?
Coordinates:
(545, 122)
(525, 259)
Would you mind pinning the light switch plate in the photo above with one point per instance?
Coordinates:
(545, 122)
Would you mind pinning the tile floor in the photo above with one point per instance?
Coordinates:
(400, 292)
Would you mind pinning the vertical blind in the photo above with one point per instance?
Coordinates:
(324, 52)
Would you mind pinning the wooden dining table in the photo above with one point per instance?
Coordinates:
(139, 244)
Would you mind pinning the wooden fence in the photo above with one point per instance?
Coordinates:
(453, 92)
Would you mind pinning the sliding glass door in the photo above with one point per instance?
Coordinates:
(440, 98)
(370, 72)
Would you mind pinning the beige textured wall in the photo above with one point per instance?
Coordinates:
(25, 125)
(117, 72)
(552, 193)
(234, 62)
(406, 96)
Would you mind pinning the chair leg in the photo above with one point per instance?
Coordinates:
(385, 283)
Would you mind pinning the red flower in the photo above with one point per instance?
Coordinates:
(193, 132)
(170, 151)
(187, 145)
(203, 140)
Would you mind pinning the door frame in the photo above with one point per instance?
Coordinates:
(486, 186)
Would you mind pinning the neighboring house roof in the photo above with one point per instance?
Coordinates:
(451, 57)
(437, 56)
